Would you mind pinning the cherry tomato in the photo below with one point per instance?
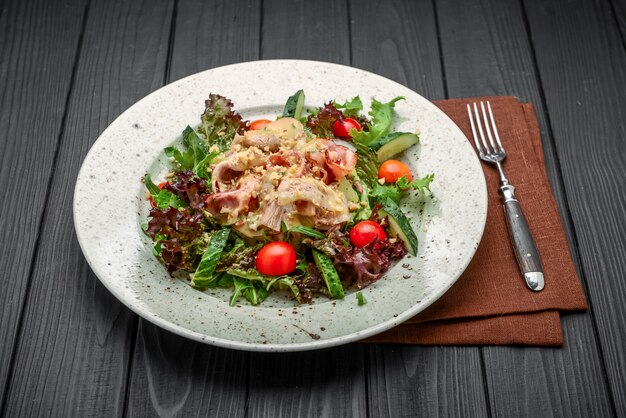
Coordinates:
(392, 170)
(160, 186)
(259, 124)
(364, 232)
(276, 259)
(341, 128)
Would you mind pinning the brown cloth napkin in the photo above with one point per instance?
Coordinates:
(490, 303)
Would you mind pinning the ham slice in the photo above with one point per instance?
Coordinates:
(227, 206)
(330, 207)
(340, 160)
(284, 131)
(262, 139)
(329, 158)
(228, 171)
(272, 215)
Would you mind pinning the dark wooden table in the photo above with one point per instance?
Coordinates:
(68, 68)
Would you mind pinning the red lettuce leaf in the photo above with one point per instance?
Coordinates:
(359, 266)
(309, 284)
(190, 188)
(183, 230)
(321, 124)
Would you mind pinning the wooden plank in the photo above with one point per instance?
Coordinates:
(328, 382)
(28, 32)
(209, 36)
(409, 380)
(182, 376)
(619, 12)
(306, 30)
(584, 77)
(74, 352)
(173, 376)
(425, 381)
(522, 382)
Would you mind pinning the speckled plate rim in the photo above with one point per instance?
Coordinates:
(113, 285)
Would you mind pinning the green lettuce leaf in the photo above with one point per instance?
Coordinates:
(397, 190)
(382, 115)
(351, 108)
(162, 198)
(219, 123)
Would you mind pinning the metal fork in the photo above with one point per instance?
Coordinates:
(493, 152)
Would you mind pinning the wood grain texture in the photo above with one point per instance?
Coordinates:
(74, 351)
(409, 380)
(304, 29)
(619, 12)
(214, 33)
(327, 383)
(522, 382)
(172, 375)
(404, 46)
(584, 78)
(38, 42)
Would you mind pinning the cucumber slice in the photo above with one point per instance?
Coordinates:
(335, 288)
(344, 186)
(203, 276)
(400, 225)
(393, 144)
(293, 107)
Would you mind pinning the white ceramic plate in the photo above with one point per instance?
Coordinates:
(110, 206)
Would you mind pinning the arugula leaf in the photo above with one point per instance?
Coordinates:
(162, 198)
(351, 108)
(224, 280)
(254, 291)
(305, 230)
(285, 282)
(251, 274)
(381, 114)
(194, 157)
(201, 168)
(240, 287)
(255, 294)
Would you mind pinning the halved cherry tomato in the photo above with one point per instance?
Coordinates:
(276, 259)
(341, 128)
(392, 170)
(151, 199)
(259, 124)
(364, 232)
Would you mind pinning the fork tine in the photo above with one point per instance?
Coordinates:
(495, 130)
(471, 118)
(487, 128)
(480, 130)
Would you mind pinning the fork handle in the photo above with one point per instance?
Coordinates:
(522, 240)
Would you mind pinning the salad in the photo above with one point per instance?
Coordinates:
(307, 203)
